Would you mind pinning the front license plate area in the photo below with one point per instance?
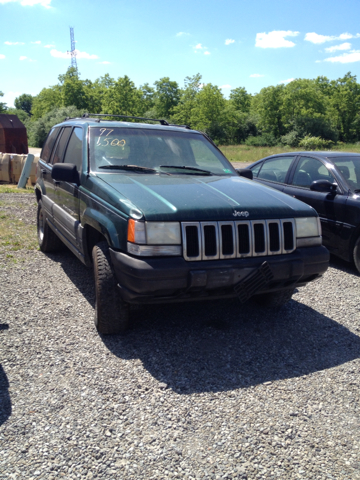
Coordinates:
(254, 282)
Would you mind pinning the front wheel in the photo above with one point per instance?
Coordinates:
(48, 240)
(356, 254)
(275, 299)
(111, 312)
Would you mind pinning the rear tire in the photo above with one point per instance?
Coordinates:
(48, 240)
(275, 299)
(356, 254)
(111, 312)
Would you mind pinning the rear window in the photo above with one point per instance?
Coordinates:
(349, 167)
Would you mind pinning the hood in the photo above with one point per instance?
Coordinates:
(199, 198)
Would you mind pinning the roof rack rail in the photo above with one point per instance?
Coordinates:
(87, 115)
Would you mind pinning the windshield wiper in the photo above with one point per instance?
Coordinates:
(134, 168)
(197, 171)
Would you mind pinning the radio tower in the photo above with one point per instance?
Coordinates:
(72, 53)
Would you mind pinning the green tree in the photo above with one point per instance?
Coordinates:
(208, 112)
(122, 98)
(302, 98)
(266, 106)
(24, 102)
(38, 129)
(147, 98)
(240, 99)
(2, 105)
(167, 97)
(45, 101)
(345, 107)
(95, 91)
(183, 110)
(73, 90)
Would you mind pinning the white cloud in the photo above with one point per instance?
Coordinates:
(351, 57)
(2, 56)
(57, 54)
(22, 58)
(200, 48)
(229, 41)
(13, 43)
(105, 63)
(275, 39)
(255, 75)
(29, 3)
(342, 46)
(288, 80)
(181, 34)
(49, 46)
(317, 39)
(225, 86)
(38, 42)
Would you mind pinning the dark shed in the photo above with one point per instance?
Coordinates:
(13, 138)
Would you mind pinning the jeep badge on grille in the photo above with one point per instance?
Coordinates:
(241, 214)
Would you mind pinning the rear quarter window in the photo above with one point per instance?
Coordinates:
(49, 144)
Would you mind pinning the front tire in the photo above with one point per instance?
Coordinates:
(275, 299)
(111, 312)
(48, 240)
(356, 254)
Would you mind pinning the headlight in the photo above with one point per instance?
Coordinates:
(163, 233)
(308, 231)
(154, 238)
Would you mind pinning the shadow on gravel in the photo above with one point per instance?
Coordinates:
(5, 402)
(223, 345)
(219, 346)
(347, 267)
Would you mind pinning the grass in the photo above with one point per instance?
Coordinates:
(16, 235)
(10, 188)
(243, 153)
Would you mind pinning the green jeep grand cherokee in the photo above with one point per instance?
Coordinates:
(162, 216)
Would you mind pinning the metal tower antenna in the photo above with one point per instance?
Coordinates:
(73, 52)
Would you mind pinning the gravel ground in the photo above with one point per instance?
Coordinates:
(202, 390)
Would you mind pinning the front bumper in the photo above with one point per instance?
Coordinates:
(172, 279)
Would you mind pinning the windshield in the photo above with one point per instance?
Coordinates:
(349, 167)
(160, 150)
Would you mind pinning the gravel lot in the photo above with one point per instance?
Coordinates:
(202, 390)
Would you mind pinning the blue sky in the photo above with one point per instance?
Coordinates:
(232, 43)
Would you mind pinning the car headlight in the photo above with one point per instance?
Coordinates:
(154, 238)
(308, 231)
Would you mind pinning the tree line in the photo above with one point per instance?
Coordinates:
(304, 110)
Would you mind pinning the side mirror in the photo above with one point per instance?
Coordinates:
(65, 172)
(245, 172)
(323, 186)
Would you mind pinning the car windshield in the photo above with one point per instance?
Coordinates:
(349, 167)
(158, 150)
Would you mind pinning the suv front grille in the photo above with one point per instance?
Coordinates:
(250, 238)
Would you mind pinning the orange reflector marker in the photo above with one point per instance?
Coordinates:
(131, 231)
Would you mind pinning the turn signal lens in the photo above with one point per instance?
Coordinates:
(136, 232)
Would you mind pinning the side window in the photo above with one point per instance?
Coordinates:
(275, 169)
(49, 144)
(61, 145)
(256, 169)
(74, 150)
(309, 169)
